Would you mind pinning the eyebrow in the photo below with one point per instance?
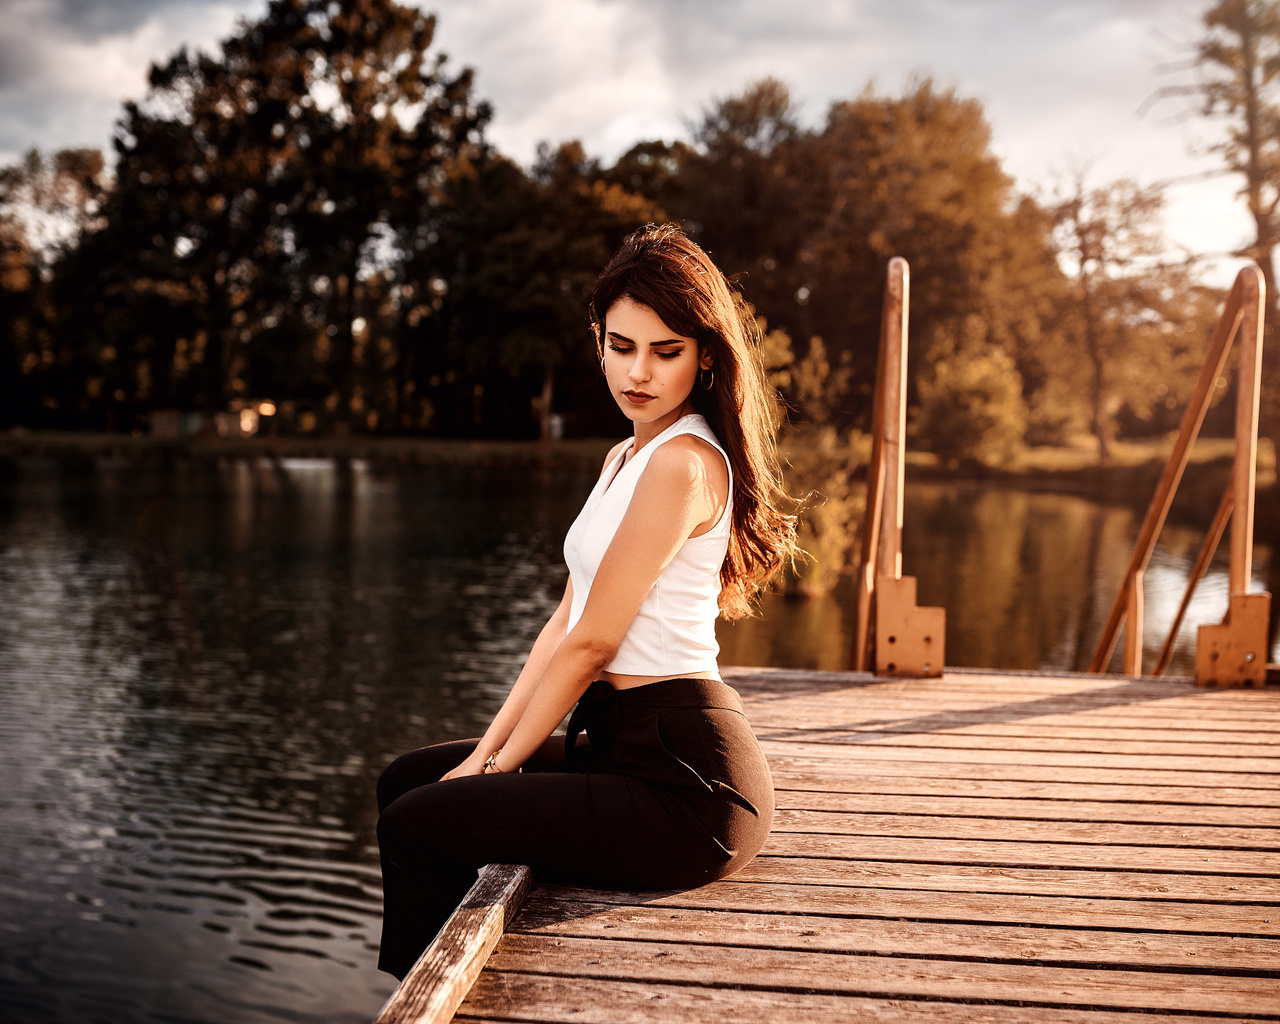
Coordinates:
(652, 344)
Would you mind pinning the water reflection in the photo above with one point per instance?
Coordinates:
(1027, 579)
(203, 667)
(202, 670)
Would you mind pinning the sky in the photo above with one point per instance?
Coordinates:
(1062, 81)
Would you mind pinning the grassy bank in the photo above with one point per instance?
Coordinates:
(1128, 477)
(588, 452)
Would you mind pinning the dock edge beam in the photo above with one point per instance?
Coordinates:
(437, 984)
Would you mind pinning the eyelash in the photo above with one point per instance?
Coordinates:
(661, 355)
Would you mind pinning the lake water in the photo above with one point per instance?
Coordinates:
(204, 667)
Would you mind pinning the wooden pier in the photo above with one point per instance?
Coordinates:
(979, 847)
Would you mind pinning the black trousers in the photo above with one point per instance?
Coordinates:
(669, 791)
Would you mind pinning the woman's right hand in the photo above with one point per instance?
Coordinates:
(473, 765)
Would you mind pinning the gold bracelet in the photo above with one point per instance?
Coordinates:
(491, 763)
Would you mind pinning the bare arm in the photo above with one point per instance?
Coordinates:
(673, 497)
(549, 640)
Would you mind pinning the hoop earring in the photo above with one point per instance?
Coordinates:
(708, 380)
(602, 364)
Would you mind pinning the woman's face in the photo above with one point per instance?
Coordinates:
(651, 370)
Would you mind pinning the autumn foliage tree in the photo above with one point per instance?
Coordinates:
(1237, 84)
(261, 190)
(311, 215)
(47, 206)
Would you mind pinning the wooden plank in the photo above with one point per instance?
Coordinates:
(1059, 946)
(1012, 853)
(1213, 703)
(1004, 690)
(1051, 881)
(954, 804)
(835, 763)
(772, 680)
(889, 976)
(1013, 696)
(772, 683)
(1010, 693)
(866, 728)
(504, 995)
(918, 826)
(1008, 908)
(1188, 754)
(1043, 758)
(440, 980)
(851, 782)
(1056, 726)
(1017, 706)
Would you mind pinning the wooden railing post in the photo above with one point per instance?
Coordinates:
(893, 635)
(1234, 651)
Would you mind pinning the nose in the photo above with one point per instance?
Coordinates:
(639, 369)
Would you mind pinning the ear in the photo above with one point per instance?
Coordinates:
(706, 359)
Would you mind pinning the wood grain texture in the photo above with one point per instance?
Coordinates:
(857, 974)
(1023, 853)
(1081, 942)
(959, 801)
(834, 762)
(932, 905)
(1056, 881)
(978, 848)
(1185, 764)
(444, 974)
(548, 999)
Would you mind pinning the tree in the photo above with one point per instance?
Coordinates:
(512, 270)
(1238, 65)
(971, 405)
(819, 461)
(1109, 242)
(741, 191)
(1240, 59)
(912, 177)
(46, 207)
(265, 186)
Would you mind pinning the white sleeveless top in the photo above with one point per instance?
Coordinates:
(674, 631)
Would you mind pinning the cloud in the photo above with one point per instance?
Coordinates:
(1060, 82)
(69, 64)
(1059, 79)
(93, 19)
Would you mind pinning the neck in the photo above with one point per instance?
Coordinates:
(646, 432)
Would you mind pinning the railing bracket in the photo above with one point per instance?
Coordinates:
(910, 641)
(1234, 653)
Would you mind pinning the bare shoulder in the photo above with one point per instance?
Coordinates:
(689, 462)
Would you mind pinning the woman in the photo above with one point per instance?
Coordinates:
(659, 782)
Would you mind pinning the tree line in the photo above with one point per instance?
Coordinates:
(311, 221)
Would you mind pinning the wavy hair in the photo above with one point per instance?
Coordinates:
(660, 267)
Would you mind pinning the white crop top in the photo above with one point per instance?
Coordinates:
(674, 632)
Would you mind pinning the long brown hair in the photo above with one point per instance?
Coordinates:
(660, 267)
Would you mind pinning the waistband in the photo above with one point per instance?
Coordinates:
(666, 693)
(602, 710)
